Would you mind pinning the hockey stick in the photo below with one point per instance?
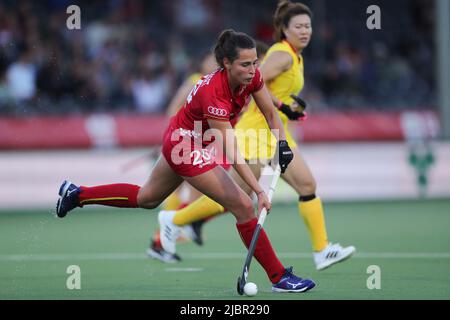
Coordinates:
(140, 160)
(300, 102)
(242, 280)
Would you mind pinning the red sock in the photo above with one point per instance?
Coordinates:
(115, 195)
(183, 205)
(157, 239)
(264, 252)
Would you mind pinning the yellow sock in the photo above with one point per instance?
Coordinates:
(201, 208)
(312, 213)
(172, 202)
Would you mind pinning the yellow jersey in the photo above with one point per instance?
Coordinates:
(193, 78)
(252, 131)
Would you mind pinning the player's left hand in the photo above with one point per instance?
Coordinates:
(263, 202)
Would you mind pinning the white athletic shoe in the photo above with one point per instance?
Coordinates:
(168, 231)
(186, 234)
(332, 254)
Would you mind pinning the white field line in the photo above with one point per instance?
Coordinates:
(184, 269)
(210, 255)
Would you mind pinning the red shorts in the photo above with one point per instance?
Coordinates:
(186, 159)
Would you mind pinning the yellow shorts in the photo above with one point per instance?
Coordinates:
(255, 141)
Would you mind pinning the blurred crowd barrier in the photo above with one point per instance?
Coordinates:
(109, 130)
(74, 103)
(344, 172)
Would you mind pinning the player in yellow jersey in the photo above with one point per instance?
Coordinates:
(208, 65)
(282, 70)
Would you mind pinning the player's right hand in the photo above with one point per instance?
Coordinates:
(299, 104)
(292, 115)
(285, 155)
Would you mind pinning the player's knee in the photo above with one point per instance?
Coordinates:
(242, 209)
(150, 204)
(247, 209)
(308, 187)
(146, 203)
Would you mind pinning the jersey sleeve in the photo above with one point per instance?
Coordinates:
(257, 82)
(216, 108)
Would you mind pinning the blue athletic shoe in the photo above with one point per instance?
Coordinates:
(291, 283)
(68, 198)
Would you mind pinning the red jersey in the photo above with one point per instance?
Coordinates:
(211, 98)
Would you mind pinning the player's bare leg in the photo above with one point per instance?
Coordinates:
(220, 187)
(188, 217)
(299, 177)
(161, 183)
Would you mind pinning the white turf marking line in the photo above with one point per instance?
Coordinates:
(184, 269)
(211, 255)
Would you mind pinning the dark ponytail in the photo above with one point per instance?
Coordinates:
(285, 11)
(229, 43)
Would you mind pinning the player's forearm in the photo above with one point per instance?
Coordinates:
(231, 149)
(274, 122)
(247, 175)
(274, 99)
(265, 104)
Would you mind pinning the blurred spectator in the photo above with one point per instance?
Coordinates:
(150, 91)
(21, 77)
(6, 99)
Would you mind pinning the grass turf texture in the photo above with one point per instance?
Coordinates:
(408, 240)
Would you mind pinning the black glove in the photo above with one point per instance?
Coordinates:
(292, 115)
(285, 155)
(299, 101)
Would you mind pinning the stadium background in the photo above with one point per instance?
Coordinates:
(88, 105)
